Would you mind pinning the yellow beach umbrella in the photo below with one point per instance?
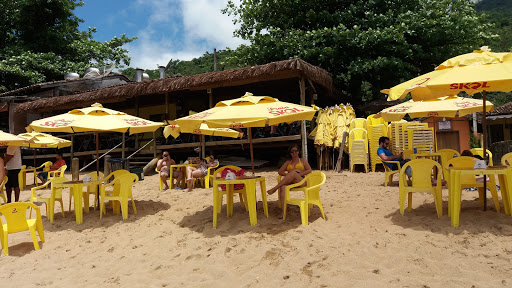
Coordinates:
(248, 111)
(43, 140)
(175, 130)
(7, 139)
(447, 106)
(95, 118)
(472, 73)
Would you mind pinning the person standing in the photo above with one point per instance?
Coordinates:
(13, 166)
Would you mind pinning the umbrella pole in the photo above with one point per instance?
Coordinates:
(34, 157)
(484, 144)
(98, 167)
(250, 147)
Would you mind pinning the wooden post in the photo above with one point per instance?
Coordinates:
(75, 169)
(210, 97)
(250, 148)
(484, 146)
(303, 123)
(136, 114)
(214, 59)
(72, 144)
(106, 169)
(203, 146)
(339, 164)
(124, 147)
(154, 145)
(98, 164)
(166, 100)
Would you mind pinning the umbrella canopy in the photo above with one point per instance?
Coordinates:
(43, 140)
(248, 111)
(175, 130)
(472, 73)
(447, 106)
(94, 118)
(7, 139)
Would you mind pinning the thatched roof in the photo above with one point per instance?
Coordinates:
(272, 71)
(502, 110)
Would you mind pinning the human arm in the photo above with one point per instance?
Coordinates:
(384, 157)
(159, 164)
(282, 170)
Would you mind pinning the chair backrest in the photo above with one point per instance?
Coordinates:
(446, 155)
(61, 170)
(23, 167)
(54, 186)
(2, 185)
(357, 123)
(358, 134)
(46, 165)
(125, 182)
(315, 180)
(506, 160)
(421, 172)
(372, 120)
(16, 215)
(463, 162)
(94, 175)
(114, 175)
(218, 172)
(480, 151)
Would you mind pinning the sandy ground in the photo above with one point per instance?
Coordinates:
(365, 242)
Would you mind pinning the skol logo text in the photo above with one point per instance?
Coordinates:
(470, 86)
(283, 110)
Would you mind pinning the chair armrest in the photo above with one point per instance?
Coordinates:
(393, 162)
(288, 187)
(45, 185)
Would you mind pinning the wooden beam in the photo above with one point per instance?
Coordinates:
(232, 142)
(303, 123)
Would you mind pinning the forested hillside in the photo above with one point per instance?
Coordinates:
(499, 13)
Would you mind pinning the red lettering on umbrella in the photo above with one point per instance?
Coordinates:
(283, 110)
(432, 114)
(201, 115)
(417, 84)
(57, 123)
(469, 86)
(136, 122)
(236, 125)
(466, 104)
(400, 109)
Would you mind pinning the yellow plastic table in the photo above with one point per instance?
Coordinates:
(23, 172)
(76, 188)
(179, 167)
(250, 187)
(454, 188)
(432, 156)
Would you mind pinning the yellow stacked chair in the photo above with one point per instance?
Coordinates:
(374, 134)
(314, 181)
(469, 181)
(16, 221)
(55, 196)
(2, 189)
(91, 190)
(421, 170)
(357, 123)
(358, 148)
(125, 183)
(506, 160)
(218, 194)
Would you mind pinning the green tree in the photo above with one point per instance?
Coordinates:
(366, 45)
(40, 41)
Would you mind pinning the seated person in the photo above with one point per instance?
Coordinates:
(386, 155)
(198, 172)
(479, 179)
(43, 176)
(211, 159)
(293, 171)
(164, 166)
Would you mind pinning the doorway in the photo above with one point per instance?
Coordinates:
(448, 140)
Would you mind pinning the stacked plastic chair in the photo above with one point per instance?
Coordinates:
(358, 148)
(376, 128)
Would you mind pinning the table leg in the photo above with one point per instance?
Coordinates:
(230, 191)
(171, 181)
(251, 202)
(215, 204)
(451, 179)
(504, 180)
(77, 193)
(263, 190)
(456, 200)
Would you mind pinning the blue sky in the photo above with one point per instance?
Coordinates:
(166, 29)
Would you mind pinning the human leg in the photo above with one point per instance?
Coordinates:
(178, 175)
(8, 191)
(163, 176)
(289, 178)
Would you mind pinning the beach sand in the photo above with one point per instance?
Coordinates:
(365, 242)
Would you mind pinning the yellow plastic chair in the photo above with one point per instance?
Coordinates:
(91, 190)
(358, 148)
(506, 160)
(160, 179)
(23, 173)
(388, 172)
(125, 183)
(242, 193)
(314, 181)
(2, 189)
(16, 221)
(55, 196)
(469, 181)
(57, 173)
(357, 123)
(109, 182)
(480, 151)
(446, 155)
(421, 170)
(206, 180)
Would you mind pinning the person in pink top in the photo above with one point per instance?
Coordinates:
(59, 162)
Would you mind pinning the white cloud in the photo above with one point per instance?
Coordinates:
(180, 29)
